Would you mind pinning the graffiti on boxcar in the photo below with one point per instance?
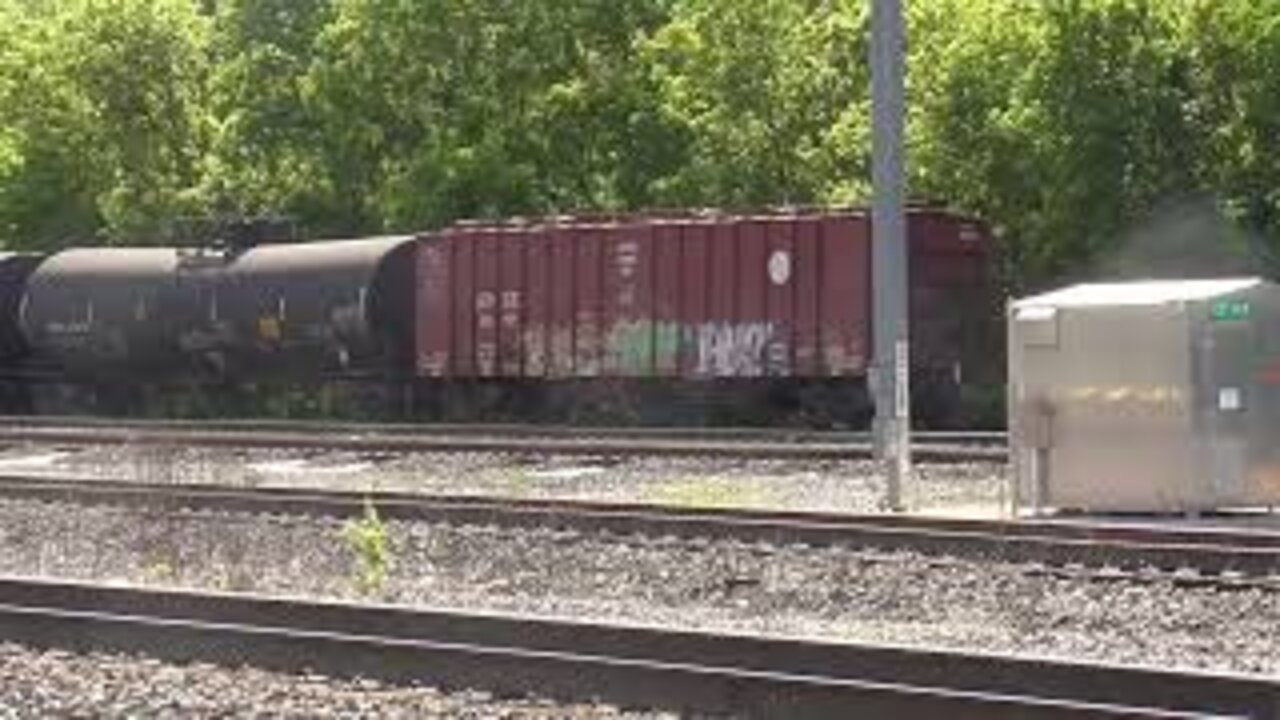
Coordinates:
(561, 364)
(844, 358)
(777, 357)
(587, 344)
(733, 349)
(636, 347)
(535, 352)
(713, 349)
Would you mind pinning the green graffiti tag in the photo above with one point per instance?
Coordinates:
(637, 347)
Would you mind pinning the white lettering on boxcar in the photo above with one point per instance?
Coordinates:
(486, 344)
(511, 302)
(627, 258)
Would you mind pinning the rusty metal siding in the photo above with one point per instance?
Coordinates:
(561, 321)
(949, 290)
(511, 300)
(486, 303)
(435, 306)
(805, 279)
(463, 250)
(691, 296)
(779, 295)
(718, 353)
(628, 319)
(668, 259)
(845, 259)
(537, 301)
(750, 310)
(587, 350)
(695, 296)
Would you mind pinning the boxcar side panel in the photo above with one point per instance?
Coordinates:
(685, 296)
(511, 301)
(808, 260)
(722, 346)
(668, 263)
(950, 291)
(755, 334)
(537, 301)
(434, 295)
(695, 293)
(563, 279)
(641, 310)
(464, 303)
(613, 283)
(486, 303)
(779, 296)
(845, 258)
(628, 323)
(588, 305)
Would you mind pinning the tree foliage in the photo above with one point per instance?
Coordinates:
(1235, 71)
(102, 117)
(428, 111)
(1098, 136)
(1065, 121)
(771, 99)
(264, 157)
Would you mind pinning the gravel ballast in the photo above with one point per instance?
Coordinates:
(829, 593)
(797, 484)
(49, 684)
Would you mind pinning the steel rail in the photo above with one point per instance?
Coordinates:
(629, 665)
(770, 434)
(1209, 552)
(581, 444)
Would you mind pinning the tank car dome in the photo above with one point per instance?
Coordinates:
(105, 310)
(333, 306)
(298, 309)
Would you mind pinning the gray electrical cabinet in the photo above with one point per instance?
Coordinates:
(1151, 396)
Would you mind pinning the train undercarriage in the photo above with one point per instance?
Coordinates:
(841, 403)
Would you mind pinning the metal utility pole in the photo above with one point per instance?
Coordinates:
(889, 247)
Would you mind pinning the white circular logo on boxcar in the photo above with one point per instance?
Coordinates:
(780, 267)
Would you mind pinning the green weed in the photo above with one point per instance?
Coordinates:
(367, 539)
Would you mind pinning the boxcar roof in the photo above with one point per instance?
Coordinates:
(1140, 292)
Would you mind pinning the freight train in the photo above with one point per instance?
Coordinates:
(650, 318)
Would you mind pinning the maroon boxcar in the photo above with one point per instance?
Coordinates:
(696, 297)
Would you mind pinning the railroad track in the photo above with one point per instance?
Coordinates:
(632, 666)
(737, 442)
(526, 430)
(1189, 555)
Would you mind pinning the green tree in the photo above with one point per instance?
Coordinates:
(1064, 122)
(1089, 132)
(102, 118)
(441, 109)
(1235, 45)
(265, 157)
(771, 99)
